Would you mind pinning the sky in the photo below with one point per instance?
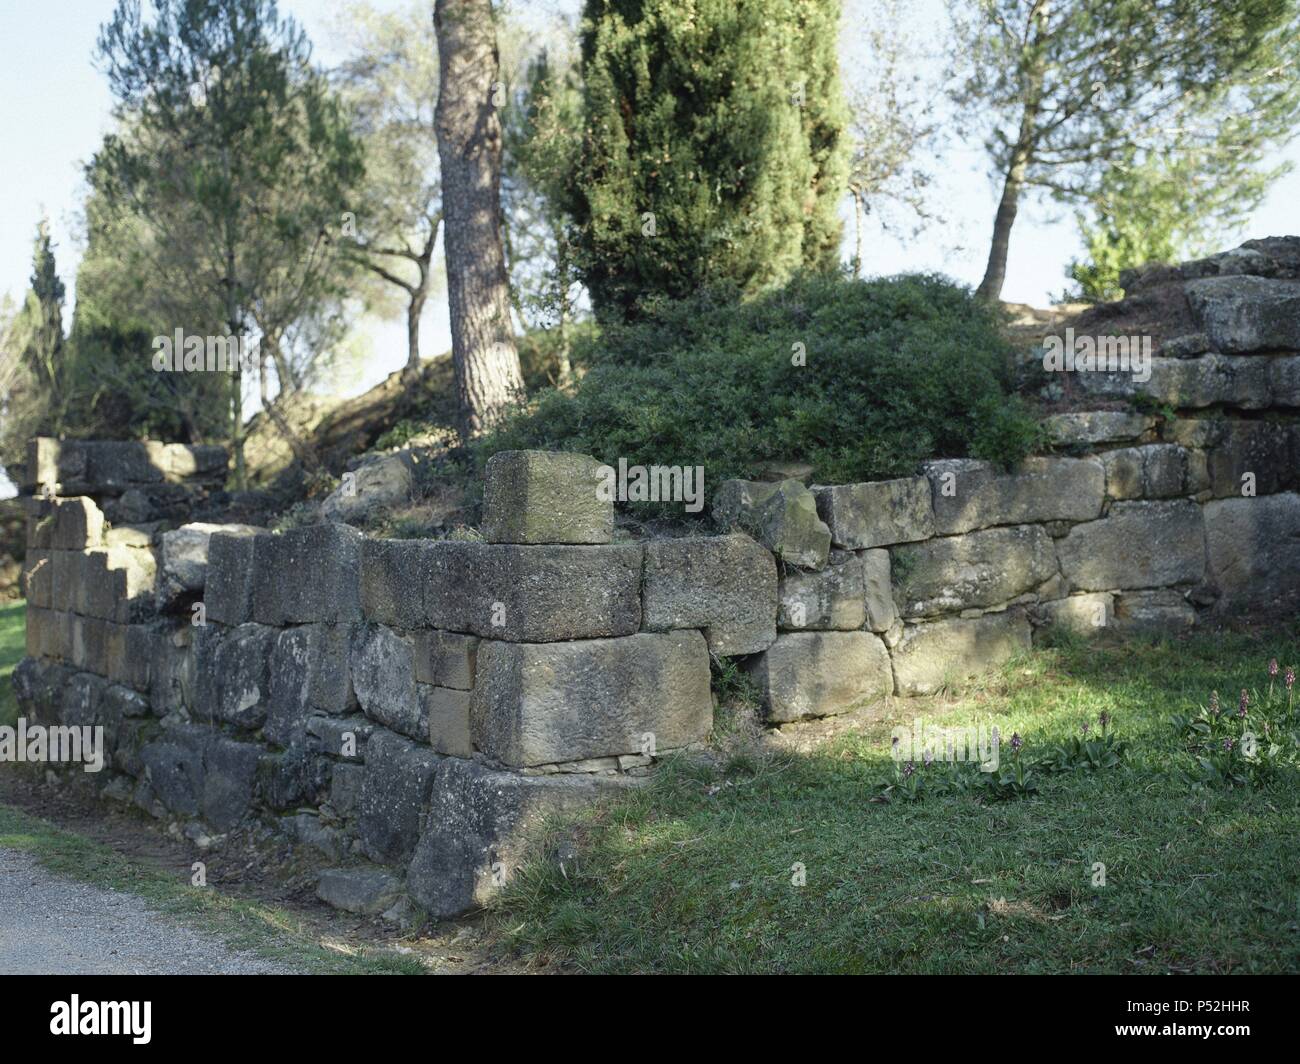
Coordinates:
(55, 108)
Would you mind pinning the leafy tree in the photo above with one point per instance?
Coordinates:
(240, 161)
(1169, 206)
(33, 358)
(1066, 86)
(391, 83)
(542, 144)
(714, 146)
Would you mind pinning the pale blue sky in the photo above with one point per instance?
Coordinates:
(54, 108)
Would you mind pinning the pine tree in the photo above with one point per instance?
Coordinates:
(714, 148)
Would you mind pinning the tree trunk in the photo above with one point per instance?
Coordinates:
(488, 376)
(995, 273)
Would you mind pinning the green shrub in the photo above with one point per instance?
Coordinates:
(896, 371)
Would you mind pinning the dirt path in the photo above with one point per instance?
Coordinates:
(55, 926)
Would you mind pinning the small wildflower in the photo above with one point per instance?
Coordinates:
(908, 769)
(1228, 744)
(1290, 678)
(1016, 742)
(1103, 719)
(1214, 703)
(1086, 728)
(1272, 667)
(928, 758)
(1243, 704)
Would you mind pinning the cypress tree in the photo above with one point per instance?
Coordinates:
(714, 149)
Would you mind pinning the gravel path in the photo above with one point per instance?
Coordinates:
(54, 926)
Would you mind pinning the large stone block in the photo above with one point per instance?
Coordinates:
(366, 891)
(930, 656)
(1258, 456)
(816, 674)
(1209, 380)
(383, 672)
(1156, 471)
(1089, 427)
(881, 610)
(1163, 610)
(445, 659)
(533, 594)
(878, 513)
(183, 561)
(228, 582)
(537, 704)
(725, 585)
(480, 823)
(546, 497)
(309, 675)
(1085, 614)
(974, 571)
(834, 598)
(393, 574)
(78, 524)
(970, 495)
(171, 673)
(1254, 551)
(380, 484)
(448, 713)
(782, 516)
(229, 782)
(38, 579)
(1284, 380)
(308, 574)
(1244, 314)
(292, 778)
(232, 674)
(173, 767)
(394, 796)
(1136, 545)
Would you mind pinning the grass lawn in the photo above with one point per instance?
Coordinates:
(13, 645)
(695, 873)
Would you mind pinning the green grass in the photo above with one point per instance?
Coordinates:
(270, 932)
(695, 873)
(13, 645)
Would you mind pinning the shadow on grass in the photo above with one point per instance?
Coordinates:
(789, 865)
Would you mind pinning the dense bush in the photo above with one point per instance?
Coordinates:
(896, 371)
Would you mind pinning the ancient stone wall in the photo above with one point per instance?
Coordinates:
(407, 706)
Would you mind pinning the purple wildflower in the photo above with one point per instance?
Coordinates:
(1272, 667)
(1103, 719)
(908, 769)
(1244, 703)
(1016, 742)
(1228, 744)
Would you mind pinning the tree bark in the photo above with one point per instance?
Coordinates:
(488, 375)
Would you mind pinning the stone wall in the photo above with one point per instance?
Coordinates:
(407, 706)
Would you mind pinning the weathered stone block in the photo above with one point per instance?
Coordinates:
(881, 611)
(393, 573)
(1089, 427)
(725, 585)
(546, 497)
(394, 796)
(974, 571)
(930, 656)
(38, 579)
(183, 561)
(298, 776)
(1137, 545)
(1254, 455)
(1163, 610)
(345, 788)
(366, 891)
(834, 598)
(816, 674)
(533, 594)
(173, 767)
(1284, 380)
(343, 737)
(1243, 314)
(448, 714)
(78, 524)
(232, 674)
(479, 822)
(308, 574)
(782, 516)
(536, 704)
(380, 484)
(1085, 614)
(1254, 550)
(878, 513)
(1156, 471)
(383, 672)
(228, 582)
(445, 659)
(970, 495)
(229, 781)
